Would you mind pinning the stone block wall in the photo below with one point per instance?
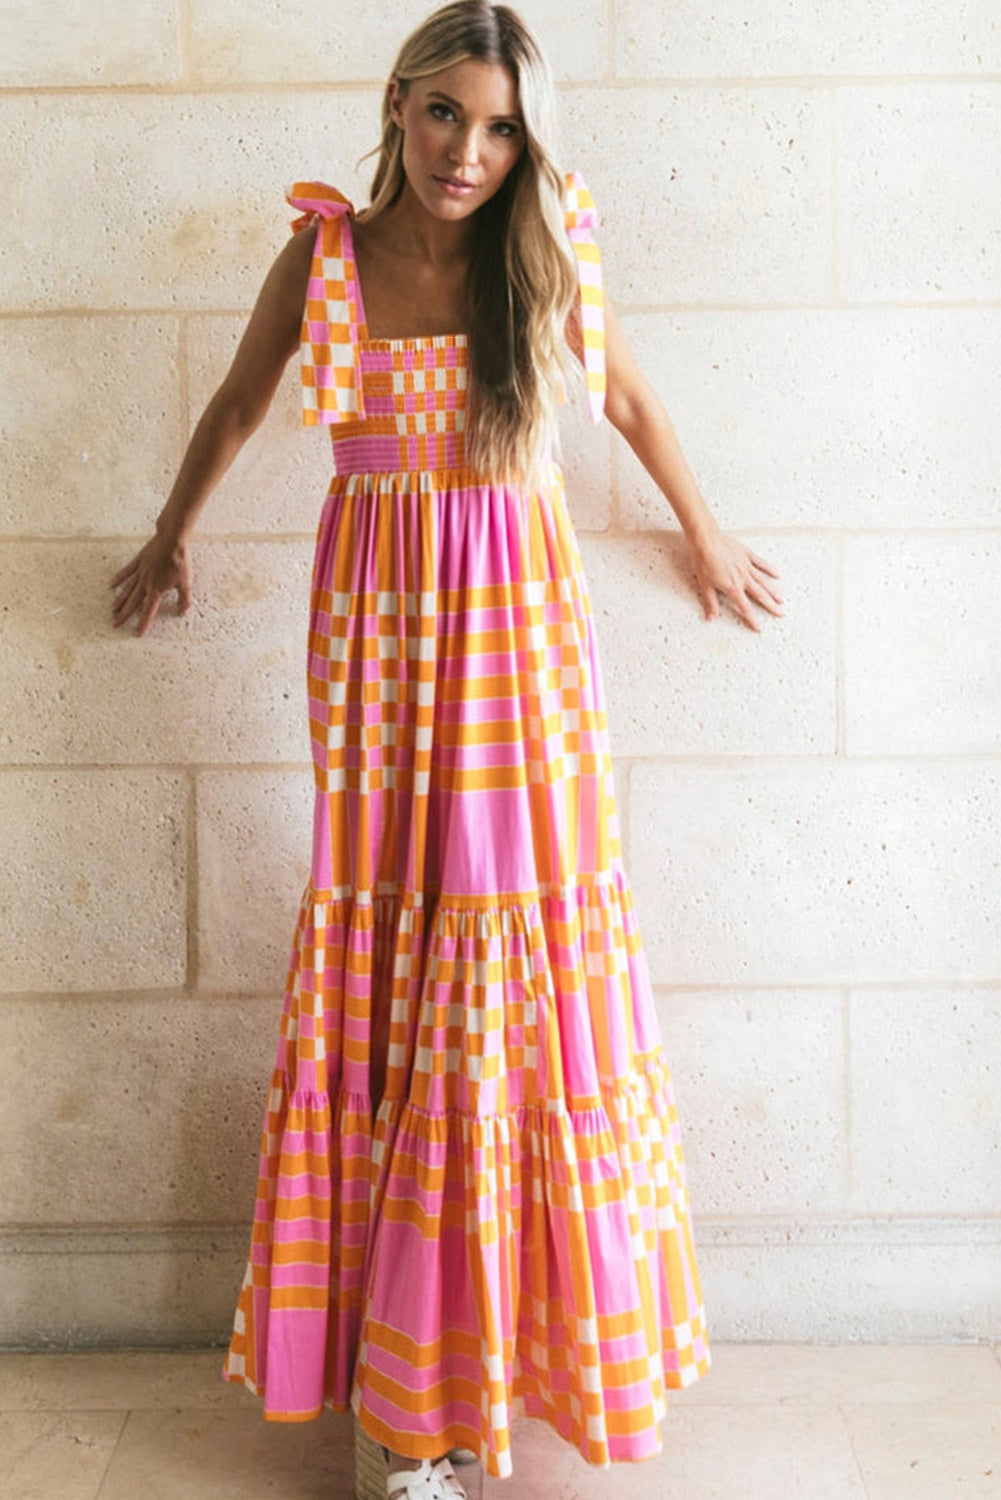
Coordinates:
(801, 224)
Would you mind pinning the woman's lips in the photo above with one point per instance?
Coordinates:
(450, 185)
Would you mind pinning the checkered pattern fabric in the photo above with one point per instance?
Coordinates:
(581, 221)
(471, 1199)
(331, 376)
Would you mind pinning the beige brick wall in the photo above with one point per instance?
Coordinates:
(802, 231)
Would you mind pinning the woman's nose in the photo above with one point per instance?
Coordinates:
(464, 146)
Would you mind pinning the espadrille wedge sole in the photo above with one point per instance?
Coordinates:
(372, 1466)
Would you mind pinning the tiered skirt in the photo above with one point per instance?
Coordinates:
(472, 1200)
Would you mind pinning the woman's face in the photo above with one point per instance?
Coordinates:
(462, 134)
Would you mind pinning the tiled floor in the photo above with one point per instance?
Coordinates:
(769, 1422)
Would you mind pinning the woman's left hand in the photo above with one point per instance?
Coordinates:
(724, 564)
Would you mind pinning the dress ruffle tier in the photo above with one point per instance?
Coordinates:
(523, 1178)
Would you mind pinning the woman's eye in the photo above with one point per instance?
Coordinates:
(506, 128)
(444, 107)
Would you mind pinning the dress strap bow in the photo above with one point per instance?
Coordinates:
(332, 320)
(581, 220)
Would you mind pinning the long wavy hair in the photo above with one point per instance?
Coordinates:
(522, 280)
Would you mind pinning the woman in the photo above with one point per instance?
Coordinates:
(472, 1196)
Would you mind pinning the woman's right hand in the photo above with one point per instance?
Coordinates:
(163, 564)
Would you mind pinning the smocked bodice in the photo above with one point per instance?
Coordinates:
(415, 407)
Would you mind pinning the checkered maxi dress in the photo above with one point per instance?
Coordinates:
(471, 1201)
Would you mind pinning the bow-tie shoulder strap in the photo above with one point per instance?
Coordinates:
(332, 320)
(581, 219)
(317, 199)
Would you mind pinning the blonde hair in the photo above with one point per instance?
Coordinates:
(522, 281)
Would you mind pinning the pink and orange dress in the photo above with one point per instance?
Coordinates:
(472, 1201)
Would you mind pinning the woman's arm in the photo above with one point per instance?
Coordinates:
(721, 562)
(231, 416)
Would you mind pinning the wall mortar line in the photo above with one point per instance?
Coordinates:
(835, 148)
(183, 13)
(897, 758)
(184, 384)
(744, 986)
(808, 83)
(200, 90)
(625, 309)
(193, 902)
(847, 1063)
(178, 768)
(667, 988)
(725, 1223)
(615, 526)
(625, 532)
(840, 685)
(173, 993)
